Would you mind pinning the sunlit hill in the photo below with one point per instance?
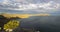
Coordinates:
(23, 15)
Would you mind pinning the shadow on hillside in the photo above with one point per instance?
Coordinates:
(4, 20)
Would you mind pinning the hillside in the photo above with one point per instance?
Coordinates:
(23, 15)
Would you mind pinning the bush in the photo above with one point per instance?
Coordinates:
(12, 24)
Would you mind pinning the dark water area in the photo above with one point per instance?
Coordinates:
(42, 23)
(38, 23)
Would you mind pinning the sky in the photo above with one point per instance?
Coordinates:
(29, 6)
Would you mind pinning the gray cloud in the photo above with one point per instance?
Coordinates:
(27, 5)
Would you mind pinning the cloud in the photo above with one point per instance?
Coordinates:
(47, 6)
(26, 5)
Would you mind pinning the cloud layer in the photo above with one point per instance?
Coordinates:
(27, 5)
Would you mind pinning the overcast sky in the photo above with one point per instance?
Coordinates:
(29, 5)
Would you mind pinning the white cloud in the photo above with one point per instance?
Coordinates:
(16, 5)
(48, 6)
(6, 2)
